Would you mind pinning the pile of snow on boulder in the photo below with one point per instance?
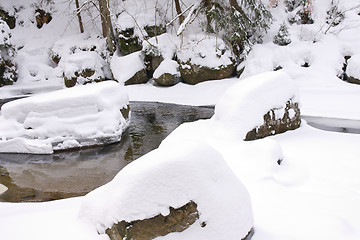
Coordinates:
(186, 192)
(82, 116)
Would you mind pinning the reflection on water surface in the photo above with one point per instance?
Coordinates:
(75, 173)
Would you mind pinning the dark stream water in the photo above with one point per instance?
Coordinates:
(66, 174)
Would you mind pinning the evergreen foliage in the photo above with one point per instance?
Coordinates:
(282, 37)
(240, 25)
(7, 51)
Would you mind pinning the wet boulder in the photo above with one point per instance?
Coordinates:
(206, 59)
(167, 74)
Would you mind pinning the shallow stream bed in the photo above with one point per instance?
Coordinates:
(66, 174)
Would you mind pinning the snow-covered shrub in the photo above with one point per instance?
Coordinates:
(302, 10)
(170, 177)
(8, 73)
(282, 37)
(82, 68)
(204, 58)
(69, 118)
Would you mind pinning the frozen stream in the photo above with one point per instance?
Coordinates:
(75, 173)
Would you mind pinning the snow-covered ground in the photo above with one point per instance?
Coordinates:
(314, 193)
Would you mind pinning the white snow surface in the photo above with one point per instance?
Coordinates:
(63, 119)
(173, 176)
(353, 67)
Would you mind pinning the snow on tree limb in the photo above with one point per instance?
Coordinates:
(188, 20)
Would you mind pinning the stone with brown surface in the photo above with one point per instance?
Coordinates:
(273, 125)
(176, 221)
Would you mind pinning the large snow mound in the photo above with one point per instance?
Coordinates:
(67, 118)
(243, 106)
(353, 67)
(173, 176)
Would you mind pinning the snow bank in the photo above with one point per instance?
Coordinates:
(243, 106)
(67, 118)
(173, 176)
(125, 67)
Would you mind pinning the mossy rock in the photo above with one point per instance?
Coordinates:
(139, 78)
(10, 20)
(177, 220)
(193, 74)
(167, 79)
(85, 76)
(155, 30)
(128, 42)
(273, 125)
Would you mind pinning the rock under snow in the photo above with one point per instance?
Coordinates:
(69, 118)
(353, 69)
(203, 59)
(192, 176)
(167, 74)
(129, 69)
(267, 101)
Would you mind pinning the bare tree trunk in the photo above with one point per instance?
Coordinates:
(79, 16)
(178, 11)
(106, 25)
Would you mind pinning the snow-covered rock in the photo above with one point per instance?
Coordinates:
(167, 74)
(243, 106)
(83, 68)
(353, 69)
(68, 118)
(129, 69)
(173, 176)
(206, 58)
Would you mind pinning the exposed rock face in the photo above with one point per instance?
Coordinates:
(167, 79)
(42, 17)
(138, 78)
(152, 62)
(177, 221)
(155, 30)
(193, 74)
(83, 77)
(274, 124)
(129, 42)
